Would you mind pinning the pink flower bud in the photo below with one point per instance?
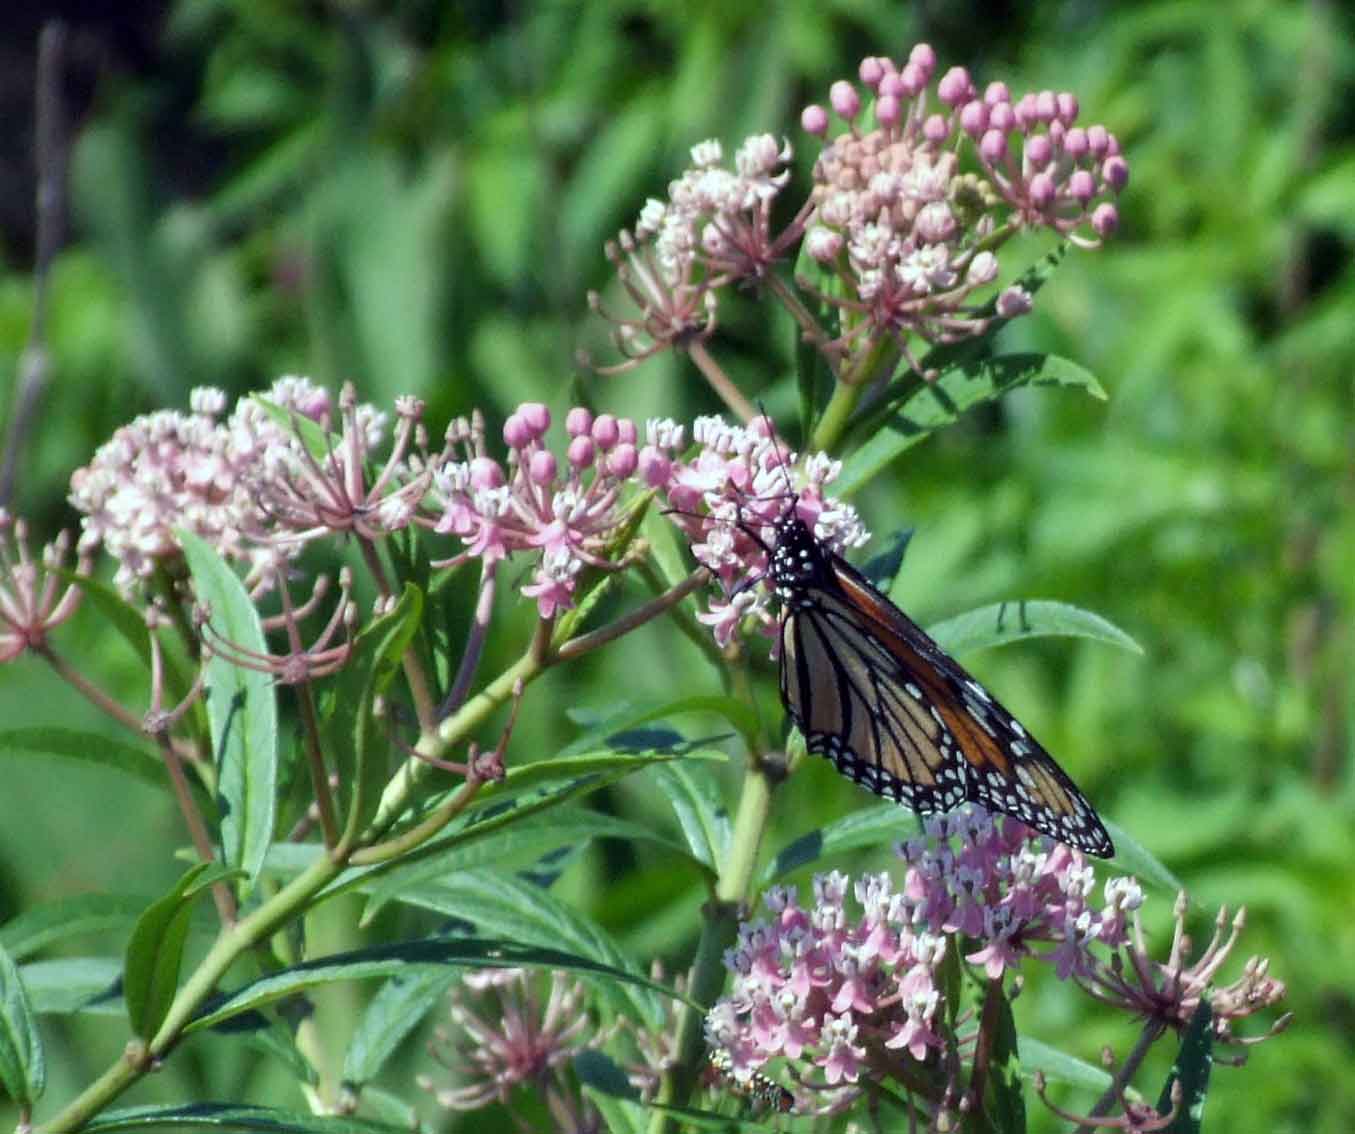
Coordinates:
(935, 223)
(887, 110)
(1002, 117)
(1105, 219)
(1115, 173)
(871, 71)
(1075, 143)
(845, 99)
(993, 147)
(1042, 190)
(622, 460)
(625, 429)
(1025, 112)
(485, 473)
(1067, 107)
(1081, 186)
(536, 417)
(517, 434)
(995, 93)
(924, 58)
(974, 118)
(1046, 106)
(1097, 141)
(935, 129)
(541, 467)
(814, 120)
(823, 244)
(654, 467)
(913, 80)
(955, 87)
(1013, 302)
(582, 452)
(1038, 151)
(578, 422)
(605, 432)
(891, 85)
(982, 269)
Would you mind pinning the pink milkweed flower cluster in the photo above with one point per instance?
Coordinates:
(727, 496)
(564, 511)
(913, 200)
(194, 471)
(505, 1034)
(835, 991)
(33, 601)
(715, 228)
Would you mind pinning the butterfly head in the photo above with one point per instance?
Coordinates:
(799, 560)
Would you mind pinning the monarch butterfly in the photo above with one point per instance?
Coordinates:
(893, 711)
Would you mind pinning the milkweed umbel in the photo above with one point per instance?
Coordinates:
(893, 711)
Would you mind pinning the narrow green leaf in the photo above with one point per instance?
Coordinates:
(1134, 858)
(882, 568)
(233, 1116)
(941, 402)
(613, 728)
(491, 903)
(1002, 622)
(74, 984)
(1060, 1067)
(1005, 1089)
(882, 824)
(1191, 1069)
(508, 847)
(43, 925)
(155, 949)
(353, 733)
(410, 956)
(23, 1069)
(310, 432)
(396, 1010)
(242, 710)
(115, 610)
(694, 795)
(90, 747)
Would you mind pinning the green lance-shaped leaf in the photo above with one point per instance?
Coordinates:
(233, 1117)
(70, 744)
(1005, 1094)
(155, 950)
(694, 795)
(1191, 1070)
(620, 726)
(879, 825)
(952, 393)
(396, 1010)
(1001, 622)
(75, 984)
(354, 735)
(413, 956)
(23, 1070)
(242, 711)
(1060, 1067)
(85, 915)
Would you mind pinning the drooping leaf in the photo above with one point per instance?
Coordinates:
(409, 956)
(69, 744)
(940, 402)
(491, 903)
(1191, 1069)
(23, 1068)
(155, 949)
(233, 1116)
(614, 729)
(396, 1010)
(1060, 1067)
(1001, 622)
(242, 711)
(40, 926)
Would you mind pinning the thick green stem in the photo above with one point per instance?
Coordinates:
(833, 424)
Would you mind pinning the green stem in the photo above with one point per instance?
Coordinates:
(833, 424)
(722, 384)
(721, 921)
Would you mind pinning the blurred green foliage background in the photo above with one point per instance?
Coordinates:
(415, 196)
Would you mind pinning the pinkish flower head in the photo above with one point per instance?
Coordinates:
(814, 120)
(33, 601)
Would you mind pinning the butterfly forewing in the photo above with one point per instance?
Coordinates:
(871, 691)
